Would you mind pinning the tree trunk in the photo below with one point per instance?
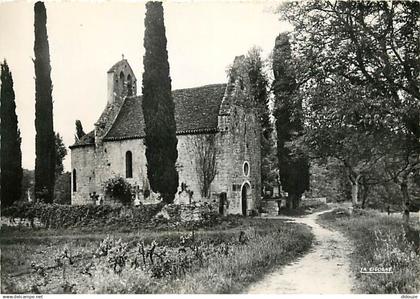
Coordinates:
(293, 201)
(355, 190)
(405, 199)
(296, 201)
(289, 201)
(365, 192)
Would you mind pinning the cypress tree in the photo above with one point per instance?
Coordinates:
(294, 171)
(45, 138)
(11, 162)
(158, 107)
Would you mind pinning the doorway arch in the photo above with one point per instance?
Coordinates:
(245, 198)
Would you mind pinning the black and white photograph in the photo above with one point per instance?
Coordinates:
(210, 147)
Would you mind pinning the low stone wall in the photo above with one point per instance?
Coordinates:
(186, 212)
(320, 199)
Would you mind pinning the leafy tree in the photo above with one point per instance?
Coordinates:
(336, 127)
(293, 169)
(370, 43)
(11, 162)
(328, 179)
(45, 138)
(62, 189)
(60, 153)
(158, 107)
(79, 130)
(402, 163)
(372, 48)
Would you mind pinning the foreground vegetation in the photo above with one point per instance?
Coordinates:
(223, 259)
(381, 243)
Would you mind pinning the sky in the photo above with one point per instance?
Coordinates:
(87, 38)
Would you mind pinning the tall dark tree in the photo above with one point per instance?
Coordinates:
(79, 130)
(158, 107)
(293, 169)
(11, 162)
(45, 139)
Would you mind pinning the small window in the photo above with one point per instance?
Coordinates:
(129, 86)
(122, 80)
(74, 181)
(246, 168)
(128, 164)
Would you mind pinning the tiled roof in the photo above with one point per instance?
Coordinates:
(196, 111)
(86, 140)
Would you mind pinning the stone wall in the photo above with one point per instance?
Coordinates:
(96, 165)
(186, 212)
(112, 162)
(237, 145)
(82, 161)
(187, 165)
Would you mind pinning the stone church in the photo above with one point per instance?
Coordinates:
(219, 159)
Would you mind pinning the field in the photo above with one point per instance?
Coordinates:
(381, 244)
(224, 258)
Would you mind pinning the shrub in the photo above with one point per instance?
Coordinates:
(64, 216)
(117, 256)
(120, 189)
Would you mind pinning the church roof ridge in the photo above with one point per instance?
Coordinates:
(196, 112)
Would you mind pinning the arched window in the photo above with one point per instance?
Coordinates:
(129, 86)
(74, 181)
(128, 164)
(122, 81)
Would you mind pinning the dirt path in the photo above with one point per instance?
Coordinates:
(324, 270)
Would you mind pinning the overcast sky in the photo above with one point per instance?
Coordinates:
(87, 38)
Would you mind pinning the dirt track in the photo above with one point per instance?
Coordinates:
(324, 270)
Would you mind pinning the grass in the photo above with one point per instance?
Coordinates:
(380, 243)
(268, 243)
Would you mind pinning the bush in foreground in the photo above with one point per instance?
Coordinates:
(229, 267)
(203, 261)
